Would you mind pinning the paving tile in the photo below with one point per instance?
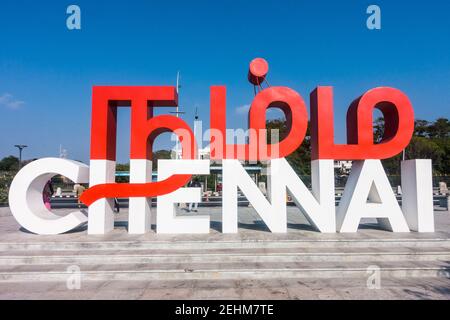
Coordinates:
(273, 293)
(118, 294)
(167, 293)
(218, 293)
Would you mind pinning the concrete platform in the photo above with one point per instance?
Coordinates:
(253, 264)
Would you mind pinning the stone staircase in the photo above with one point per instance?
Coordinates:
(219, 259)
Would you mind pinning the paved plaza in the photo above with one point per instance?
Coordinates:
(256, 242)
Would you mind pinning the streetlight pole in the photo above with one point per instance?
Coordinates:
(20, 147)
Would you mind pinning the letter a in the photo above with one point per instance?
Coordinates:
(74, 20)
(374, 20)
(368, 194)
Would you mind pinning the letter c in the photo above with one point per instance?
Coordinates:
(25, 195)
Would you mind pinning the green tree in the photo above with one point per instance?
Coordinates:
(10, 163)
(123, 167)
(421, 128)
(423, 148)
(439, 129)
(431, 140)
(443, 165)
(378, 129)
(160, 154)
(300, 159)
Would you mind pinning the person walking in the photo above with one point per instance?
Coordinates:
(116, 205)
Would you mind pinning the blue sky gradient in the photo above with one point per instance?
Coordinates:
(47, 71)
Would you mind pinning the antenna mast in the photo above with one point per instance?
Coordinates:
(177, 113)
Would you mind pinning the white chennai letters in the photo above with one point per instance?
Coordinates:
(317, 206)
(368, 194)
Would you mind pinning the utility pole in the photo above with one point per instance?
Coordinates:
(177, 113)
(20, 147)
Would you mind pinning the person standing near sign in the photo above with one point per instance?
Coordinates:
(47, 194)
(79, 189)
(193, 184)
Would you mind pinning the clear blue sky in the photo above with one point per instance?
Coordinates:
(47, 71)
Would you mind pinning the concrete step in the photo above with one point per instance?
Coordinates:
(217, 256)
(176, 244)
(270, 289)
(220, 271)
(260, 251)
